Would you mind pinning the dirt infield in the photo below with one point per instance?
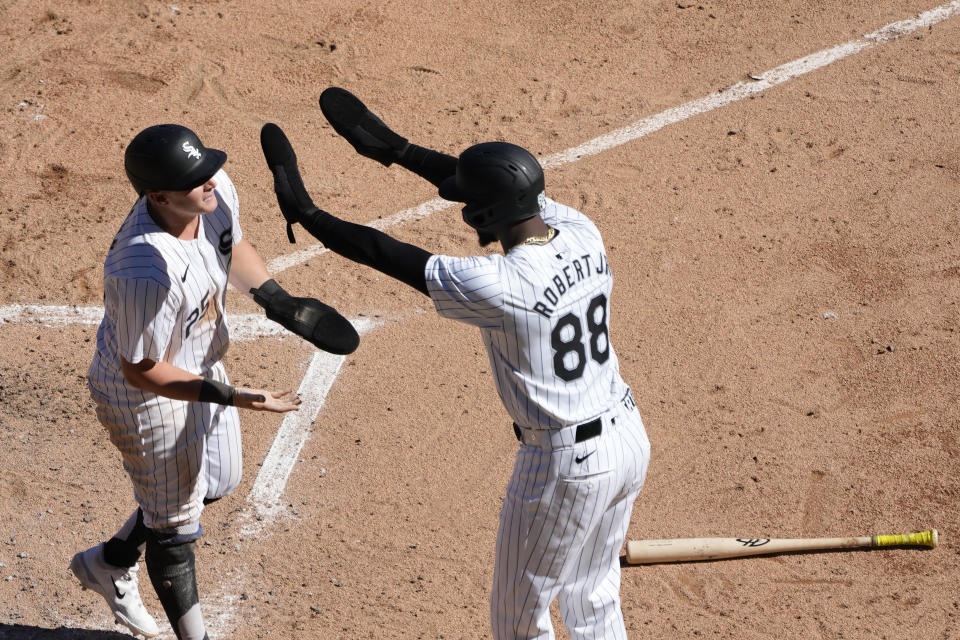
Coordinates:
(787, 278)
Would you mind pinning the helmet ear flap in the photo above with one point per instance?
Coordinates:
(480, 216)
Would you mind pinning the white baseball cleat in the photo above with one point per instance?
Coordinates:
(118, 586)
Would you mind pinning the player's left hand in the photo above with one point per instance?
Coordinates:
(309, 318)
(295, 203)
(263, 400)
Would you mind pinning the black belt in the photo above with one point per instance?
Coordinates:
(585, 431)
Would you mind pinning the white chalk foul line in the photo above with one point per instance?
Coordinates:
(268, 487)
(243, 326)
(646, 126)
(49, 316)
(741, 90)
(294, 431)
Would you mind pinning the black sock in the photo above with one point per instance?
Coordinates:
(120, 553)
(125, 553)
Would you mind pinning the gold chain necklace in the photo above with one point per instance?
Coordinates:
(544, 239)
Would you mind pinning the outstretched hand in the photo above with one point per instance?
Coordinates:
(262, 400)
(316, 322)
(295, 203)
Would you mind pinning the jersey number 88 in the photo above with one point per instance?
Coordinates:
(569, 351)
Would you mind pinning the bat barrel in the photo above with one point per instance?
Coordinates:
(693, 549)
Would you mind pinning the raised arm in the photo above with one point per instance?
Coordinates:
(365, 245)
(372, 138)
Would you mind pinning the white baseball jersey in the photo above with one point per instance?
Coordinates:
(544, 314)
(164, 301)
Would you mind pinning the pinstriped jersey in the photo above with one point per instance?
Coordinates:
(164, 297)
(544, 314)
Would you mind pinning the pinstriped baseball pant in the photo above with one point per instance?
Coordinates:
(562, 527)
(176, 453)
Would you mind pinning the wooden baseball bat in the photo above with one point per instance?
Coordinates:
(693, 549)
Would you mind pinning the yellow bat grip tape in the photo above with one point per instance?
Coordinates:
(920, 538)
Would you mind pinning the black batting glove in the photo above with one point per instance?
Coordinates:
(366, 132)
(295, 203)
(316, 322)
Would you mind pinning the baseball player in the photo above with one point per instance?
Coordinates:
(157, 378)
(543, 309)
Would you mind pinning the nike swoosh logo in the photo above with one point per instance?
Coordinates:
(117, 591)
(580, 459)
(184, 277)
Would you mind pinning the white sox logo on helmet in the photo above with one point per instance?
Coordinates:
(190, 150)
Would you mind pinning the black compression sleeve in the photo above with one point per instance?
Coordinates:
(405, 262)
(427, 163)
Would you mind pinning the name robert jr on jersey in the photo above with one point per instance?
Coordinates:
(568, 277)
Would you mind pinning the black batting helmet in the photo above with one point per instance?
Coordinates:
(169, 157)
(501, 184)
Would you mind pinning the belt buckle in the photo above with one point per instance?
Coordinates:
(588, 430)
